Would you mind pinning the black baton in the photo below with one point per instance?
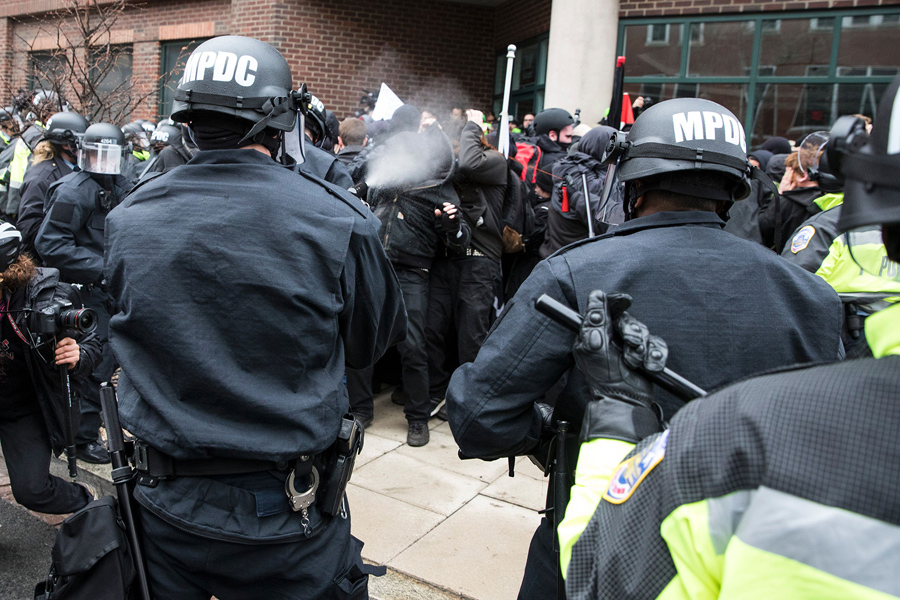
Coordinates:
(122, 475)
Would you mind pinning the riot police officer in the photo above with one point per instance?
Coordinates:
(782, 485)
(244, 287)
(730, 307)
(70, 239)
(54, 158)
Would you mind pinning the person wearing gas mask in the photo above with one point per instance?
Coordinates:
(780, 486)
(54, 157)
(318, 161)
(236, 322)
(727, 307)
(71, 239)
(136, 160)
(32, 412)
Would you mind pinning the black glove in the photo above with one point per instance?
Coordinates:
(623, 406)
(446, 225)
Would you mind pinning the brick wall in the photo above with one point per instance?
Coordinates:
(653, 8)
(430, 53)
(519, 20)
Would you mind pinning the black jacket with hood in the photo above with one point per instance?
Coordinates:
(410, 176)
(571, 225)
(36, 296)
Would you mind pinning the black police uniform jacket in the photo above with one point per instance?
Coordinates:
(236, 318)
(726, 307)
(38, 179)
(71, 237)
(36, 296)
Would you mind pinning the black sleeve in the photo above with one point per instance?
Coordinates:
(31, 209)
(374, 316)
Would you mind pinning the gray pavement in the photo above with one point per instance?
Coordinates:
(446, 529)
(25, 543)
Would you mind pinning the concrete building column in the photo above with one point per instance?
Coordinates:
(581, 56)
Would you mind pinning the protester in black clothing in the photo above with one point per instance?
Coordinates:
(464, 285)
(411, 192)
(53, 158)
(32, 412)
(568, 214)
(553, 127)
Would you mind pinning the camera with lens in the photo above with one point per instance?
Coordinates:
(62, 315)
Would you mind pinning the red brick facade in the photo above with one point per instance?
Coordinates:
(431, 53)
(519, 20)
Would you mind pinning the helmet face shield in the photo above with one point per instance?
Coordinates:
(810, 150)
(105, 159)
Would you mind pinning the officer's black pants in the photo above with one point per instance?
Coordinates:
(461, 291)
(413, 355)
(26, 448)
(89, 428)
(189, 567)
(541, 567)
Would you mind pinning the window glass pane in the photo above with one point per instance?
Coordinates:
(48, 70)
(525, 71)
(794, 111)
(731, 96)
(500, 74)
(869, 41)
(720, 49)
(111, 68)
(174, 55)
(794, 47)
(652, 50)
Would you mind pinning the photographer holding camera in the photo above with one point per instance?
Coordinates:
(32, 415)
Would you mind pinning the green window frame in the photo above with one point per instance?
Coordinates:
(528, 97)
(172, 57)
(759, 78)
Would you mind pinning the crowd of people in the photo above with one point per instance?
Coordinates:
(269, 258)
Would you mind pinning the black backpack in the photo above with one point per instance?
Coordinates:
(91, 559)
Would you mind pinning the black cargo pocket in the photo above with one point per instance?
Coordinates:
(354, 583)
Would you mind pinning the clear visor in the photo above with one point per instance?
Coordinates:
(810, 150)
(106, 159)
(872, 275)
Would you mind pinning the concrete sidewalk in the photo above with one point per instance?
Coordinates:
(445, 528)
(463, 526)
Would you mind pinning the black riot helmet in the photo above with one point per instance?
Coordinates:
(552, 119)
(680, 136)
(870, 165)
(240, 77)
(4, 115)
(10, 245)
(166, 135)
(65, 129)
(316, 121)
(102, 149)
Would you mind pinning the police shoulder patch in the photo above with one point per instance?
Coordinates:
(630, 473)
(801, 240)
